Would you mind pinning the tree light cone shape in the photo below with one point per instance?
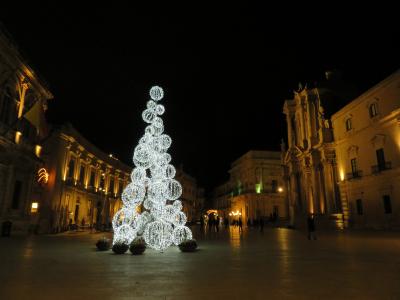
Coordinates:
(152, 187)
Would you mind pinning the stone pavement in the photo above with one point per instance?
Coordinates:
(276, 264)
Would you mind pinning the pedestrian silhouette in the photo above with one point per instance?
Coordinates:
(261, 224)
(311, 227)
(240, 225)
(226, 223)
(217, 224)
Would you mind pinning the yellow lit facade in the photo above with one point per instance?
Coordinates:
(255, 188)
(20, 89)
(85, 184)
(367, 132)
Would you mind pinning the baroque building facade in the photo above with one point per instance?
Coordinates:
(84, 186)
(342, 159)
(367, 143)
(310, 160)
(255, 188)
(20, 90)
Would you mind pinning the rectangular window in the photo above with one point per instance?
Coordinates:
(372, 110)
(92, 177)
(348, 124)
(82, 174)
(274, 186)
(359, 207)
(111, 188)
(102, 178)
(17, 194)
(380, 157)
(71, 168)
(387, 204)
(354, 167)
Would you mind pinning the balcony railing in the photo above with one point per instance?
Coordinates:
(354, 175)
(381, 167)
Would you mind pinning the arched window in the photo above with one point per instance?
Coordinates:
(349, 125)
(373, 110)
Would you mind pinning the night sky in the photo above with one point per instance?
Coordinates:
(226, 71)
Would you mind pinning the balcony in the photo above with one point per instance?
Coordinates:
(354, 175)
(381, 167)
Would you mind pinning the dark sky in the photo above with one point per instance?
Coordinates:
(225, 70)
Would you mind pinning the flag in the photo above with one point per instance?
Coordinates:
(36, 117)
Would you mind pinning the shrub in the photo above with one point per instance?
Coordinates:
(103, 244)
(188, 246)
(138, 246)
(120, 248)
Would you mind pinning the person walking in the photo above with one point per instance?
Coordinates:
(311, 227)
(226, 223)
(201, 224)
(217, 224)
(240, 225)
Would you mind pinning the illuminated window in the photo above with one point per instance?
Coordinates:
(71, 167)
(34, 207)
(258, 188)
(349, 126)
(92, 177)
(373, 110)
(82, 174)
(354, 166)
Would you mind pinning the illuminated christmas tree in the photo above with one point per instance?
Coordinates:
(153, 189)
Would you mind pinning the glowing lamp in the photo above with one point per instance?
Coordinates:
(34, 207)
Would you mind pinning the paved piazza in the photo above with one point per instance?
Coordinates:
(276, 264)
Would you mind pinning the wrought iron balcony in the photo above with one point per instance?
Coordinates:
(354, 175)
(381, 167)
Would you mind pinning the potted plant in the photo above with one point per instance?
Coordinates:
(188, 245)
(103, 244)
(120, 248)
(138, 246)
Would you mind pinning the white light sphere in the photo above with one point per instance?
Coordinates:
(173, 189)
(156, 93)
(158, 130)
(149, 130)
(143, 153)
(170, 171)
(169, 213)
(181, 234)
(124, 234)
(177, 205)
(149, 115)
(147, 204)
(180, 219)
(138, 175)
(158, 235)
(165, 141)
(140, 164)
(152, 105)
(160, 109)
(133, 194)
